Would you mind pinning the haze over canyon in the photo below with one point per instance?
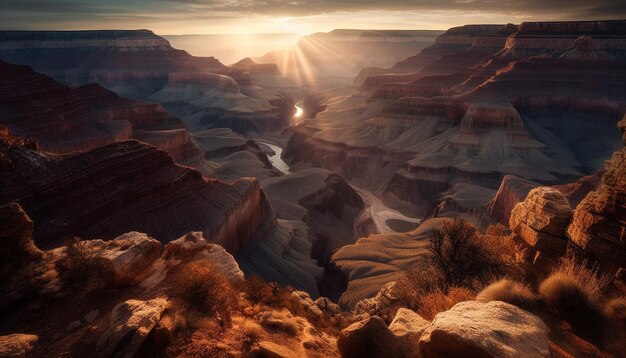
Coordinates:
(388, 191)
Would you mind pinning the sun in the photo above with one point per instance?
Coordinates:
(290, 25)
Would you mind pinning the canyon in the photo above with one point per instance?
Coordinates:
(317, 169)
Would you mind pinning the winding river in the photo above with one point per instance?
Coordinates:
(382, 215)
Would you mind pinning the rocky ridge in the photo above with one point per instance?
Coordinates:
(127, 178)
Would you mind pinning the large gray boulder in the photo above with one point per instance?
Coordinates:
(476, 329)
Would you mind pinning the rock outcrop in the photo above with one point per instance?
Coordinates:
(193, 247)
(130, 186)
(513, 190)
(494, 329)
(598, 225)
(122, 258)
(540, 220)
(130, 324)
(17, 345)
(16, 247)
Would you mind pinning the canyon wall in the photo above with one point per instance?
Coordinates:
(474, 111)
(128, 186)
(141, 65)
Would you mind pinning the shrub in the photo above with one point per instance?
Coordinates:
(437, 301)
(464, 258)
(82, 270)
(572, 300)
(511, 292)
(416, 283)
(201, 289)
(615, 310)
(588, 277)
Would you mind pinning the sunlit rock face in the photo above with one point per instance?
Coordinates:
(141, 65)
(129, 186)
(548, 116)
(598, 226)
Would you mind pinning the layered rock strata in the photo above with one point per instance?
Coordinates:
(540, 221)
(128, 186)
(141, 65)
(599, 222)
(65, 119)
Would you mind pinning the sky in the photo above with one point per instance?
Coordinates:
(296, 16)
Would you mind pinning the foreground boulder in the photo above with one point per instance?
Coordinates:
(408, 327)
(368, 338)
(130, 324)
(476, 329)
(372, 338)
(17, 345)
(540, 221)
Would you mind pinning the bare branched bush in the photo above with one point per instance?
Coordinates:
(201, 289)
(83, 270)
(465, 258)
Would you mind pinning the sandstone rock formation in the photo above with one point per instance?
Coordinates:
(130, 186)
(16, 247)
(123, 258)
(598, 226)
(494, 329)
(368, 338)
(512, 190)
(17, 345)
(540, 220)
(193, 247)
(372, 338)
(130, 323)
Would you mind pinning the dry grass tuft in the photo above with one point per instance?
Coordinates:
(282, 320)
(511, 292)
(437, 301)
(574, 301)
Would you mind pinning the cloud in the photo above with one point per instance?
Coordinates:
(200, 16)
(580, 8)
